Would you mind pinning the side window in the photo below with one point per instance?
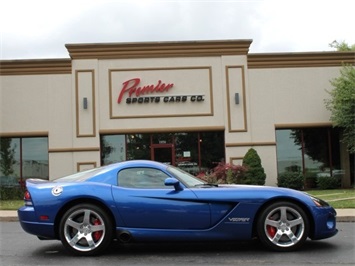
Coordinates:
(145, 178)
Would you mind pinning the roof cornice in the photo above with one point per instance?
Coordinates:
(303, 59)
(158, 49)
(175, 49)
(35, 67)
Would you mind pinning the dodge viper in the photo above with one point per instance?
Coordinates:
(146, 201)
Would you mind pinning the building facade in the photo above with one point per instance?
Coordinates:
(190, 104)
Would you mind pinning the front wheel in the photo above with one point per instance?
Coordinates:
(283, 226)
(85, 229)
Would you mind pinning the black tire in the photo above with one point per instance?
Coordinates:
(283, 226)
(85, 229)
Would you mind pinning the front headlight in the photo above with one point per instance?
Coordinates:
(319, 202)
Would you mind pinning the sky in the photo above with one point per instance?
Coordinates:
(37, 29)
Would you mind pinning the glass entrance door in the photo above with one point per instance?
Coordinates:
(163, 153)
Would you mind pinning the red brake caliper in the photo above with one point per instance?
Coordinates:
(270, 229)
(98, 234)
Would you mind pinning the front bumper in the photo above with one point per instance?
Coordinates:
(324, 222)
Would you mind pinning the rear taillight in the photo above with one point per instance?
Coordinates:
(27, 198)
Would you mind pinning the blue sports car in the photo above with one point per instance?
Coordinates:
(137, 201)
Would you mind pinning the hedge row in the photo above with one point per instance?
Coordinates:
(11, 193)
(296, 180)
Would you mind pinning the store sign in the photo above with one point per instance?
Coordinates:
(136, 92)
(160, 92)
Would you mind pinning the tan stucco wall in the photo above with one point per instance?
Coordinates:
(281, 97)
(272, 94)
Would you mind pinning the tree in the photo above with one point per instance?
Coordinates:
(313, 142)
(106, 150)
(255, 174)
(342, 46)
(342, 101)
(7, 156)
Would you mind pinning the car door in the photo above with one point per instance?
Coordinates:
(144, 201)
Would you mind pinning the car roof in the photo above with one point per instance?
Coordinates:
(134, 163)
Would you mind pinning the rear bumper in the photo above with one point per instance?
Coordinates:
(31, 224)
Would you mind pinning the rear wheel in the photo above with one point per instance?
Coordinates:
(283, 226)
(86, 229)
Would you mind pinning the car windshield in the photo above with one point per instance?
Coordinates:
(185, 178)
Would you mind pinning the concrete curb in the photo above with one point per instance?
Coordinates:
(346, 219)
(343, 215)
(8, 216)
(8, 219)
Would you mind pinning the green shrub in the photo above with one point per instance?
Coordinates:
(292, 180)
(254, 174)
(11, 193)
(310, 180)
(328, 182)
(310, 183)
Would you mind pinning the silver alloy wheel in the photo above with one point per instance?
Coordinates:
(84, 230)
(284, 226)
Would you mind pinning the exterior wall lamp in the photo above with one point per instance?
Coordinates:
(85, 103)
(236, 98)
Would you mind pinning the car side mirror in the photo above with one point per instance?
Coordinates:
(170, 181)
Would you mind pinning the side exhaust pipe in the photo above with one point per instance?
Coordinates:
(124, 236)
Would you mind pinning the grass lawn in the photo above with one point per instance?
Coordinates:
(10, 204)
(338, 198)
